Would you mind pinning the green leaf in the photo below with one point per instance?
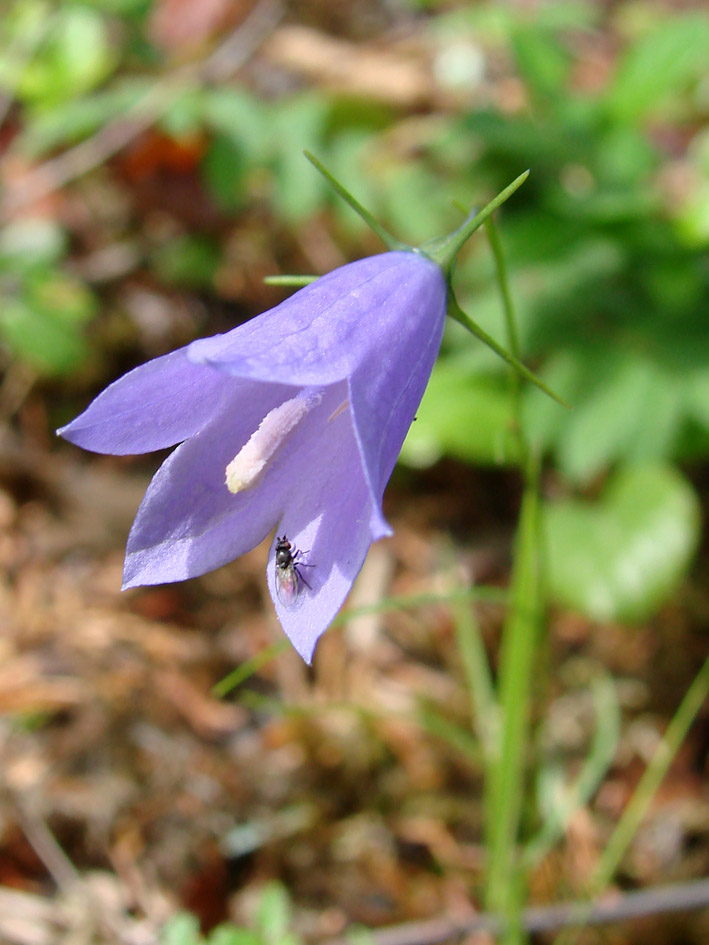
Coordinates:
(274, 914)
(224, 170)
(622, 557)
(633, 413)
(181, 929)
(233, 935)
(43, 324)
(297, 124)
(240, 118)
(188, 261)
(183, 116)
(660, 64)
(541, 59)
(76, 57)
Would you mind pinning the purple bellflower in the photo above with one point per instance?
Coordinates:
(292, 421)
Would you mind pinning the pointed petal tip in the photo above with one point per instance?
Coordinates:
(306, 654)
(379, 527)
(129, 582)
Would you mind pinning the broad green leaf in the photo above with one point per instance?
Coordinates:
(622, 556)
(633, 413)
(410, 197)
(348, 160)
(697, 396)
(658, 65)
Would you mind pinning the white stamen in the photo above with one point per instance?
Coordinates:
(251, 460)
(341, 409)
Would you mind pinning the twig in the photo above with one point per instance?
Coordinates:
(45, 845)
(682, 897)
(229, 56)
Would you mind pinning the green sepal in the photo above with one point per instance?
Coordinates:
(296, 282)
(391, 242)
(456, 312)
(444, 249)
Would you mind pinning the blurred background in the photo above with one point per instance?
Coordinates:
(152, 176)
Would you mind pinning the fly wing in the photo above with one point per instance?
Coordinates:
(287, 585)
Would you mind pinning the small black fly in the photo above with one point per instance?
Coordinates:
(288, 574)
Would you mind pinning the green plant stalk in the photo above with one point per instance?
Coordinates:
(478, 677)
(505, 781)
(651, 780)
(639, 803)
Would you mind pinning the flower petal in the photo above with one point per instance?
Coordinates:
(385, 392)
(155, 405)
(188, 522)
(331, 522)
(321, 333)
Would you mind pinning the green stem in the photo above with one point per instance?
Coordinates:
(478, 677)
(391, 242)
(505, 780)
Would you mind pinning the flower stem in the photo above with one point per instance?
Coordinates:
(505, 781)
(505, 777)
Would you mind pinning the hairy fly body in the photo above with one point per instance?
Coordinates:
(288, 574)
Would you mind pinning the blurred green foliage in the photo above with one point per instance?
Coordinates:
(271, 925)
(606, 242)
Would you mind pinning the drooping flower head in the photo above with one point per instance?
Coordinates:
(291, 422)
